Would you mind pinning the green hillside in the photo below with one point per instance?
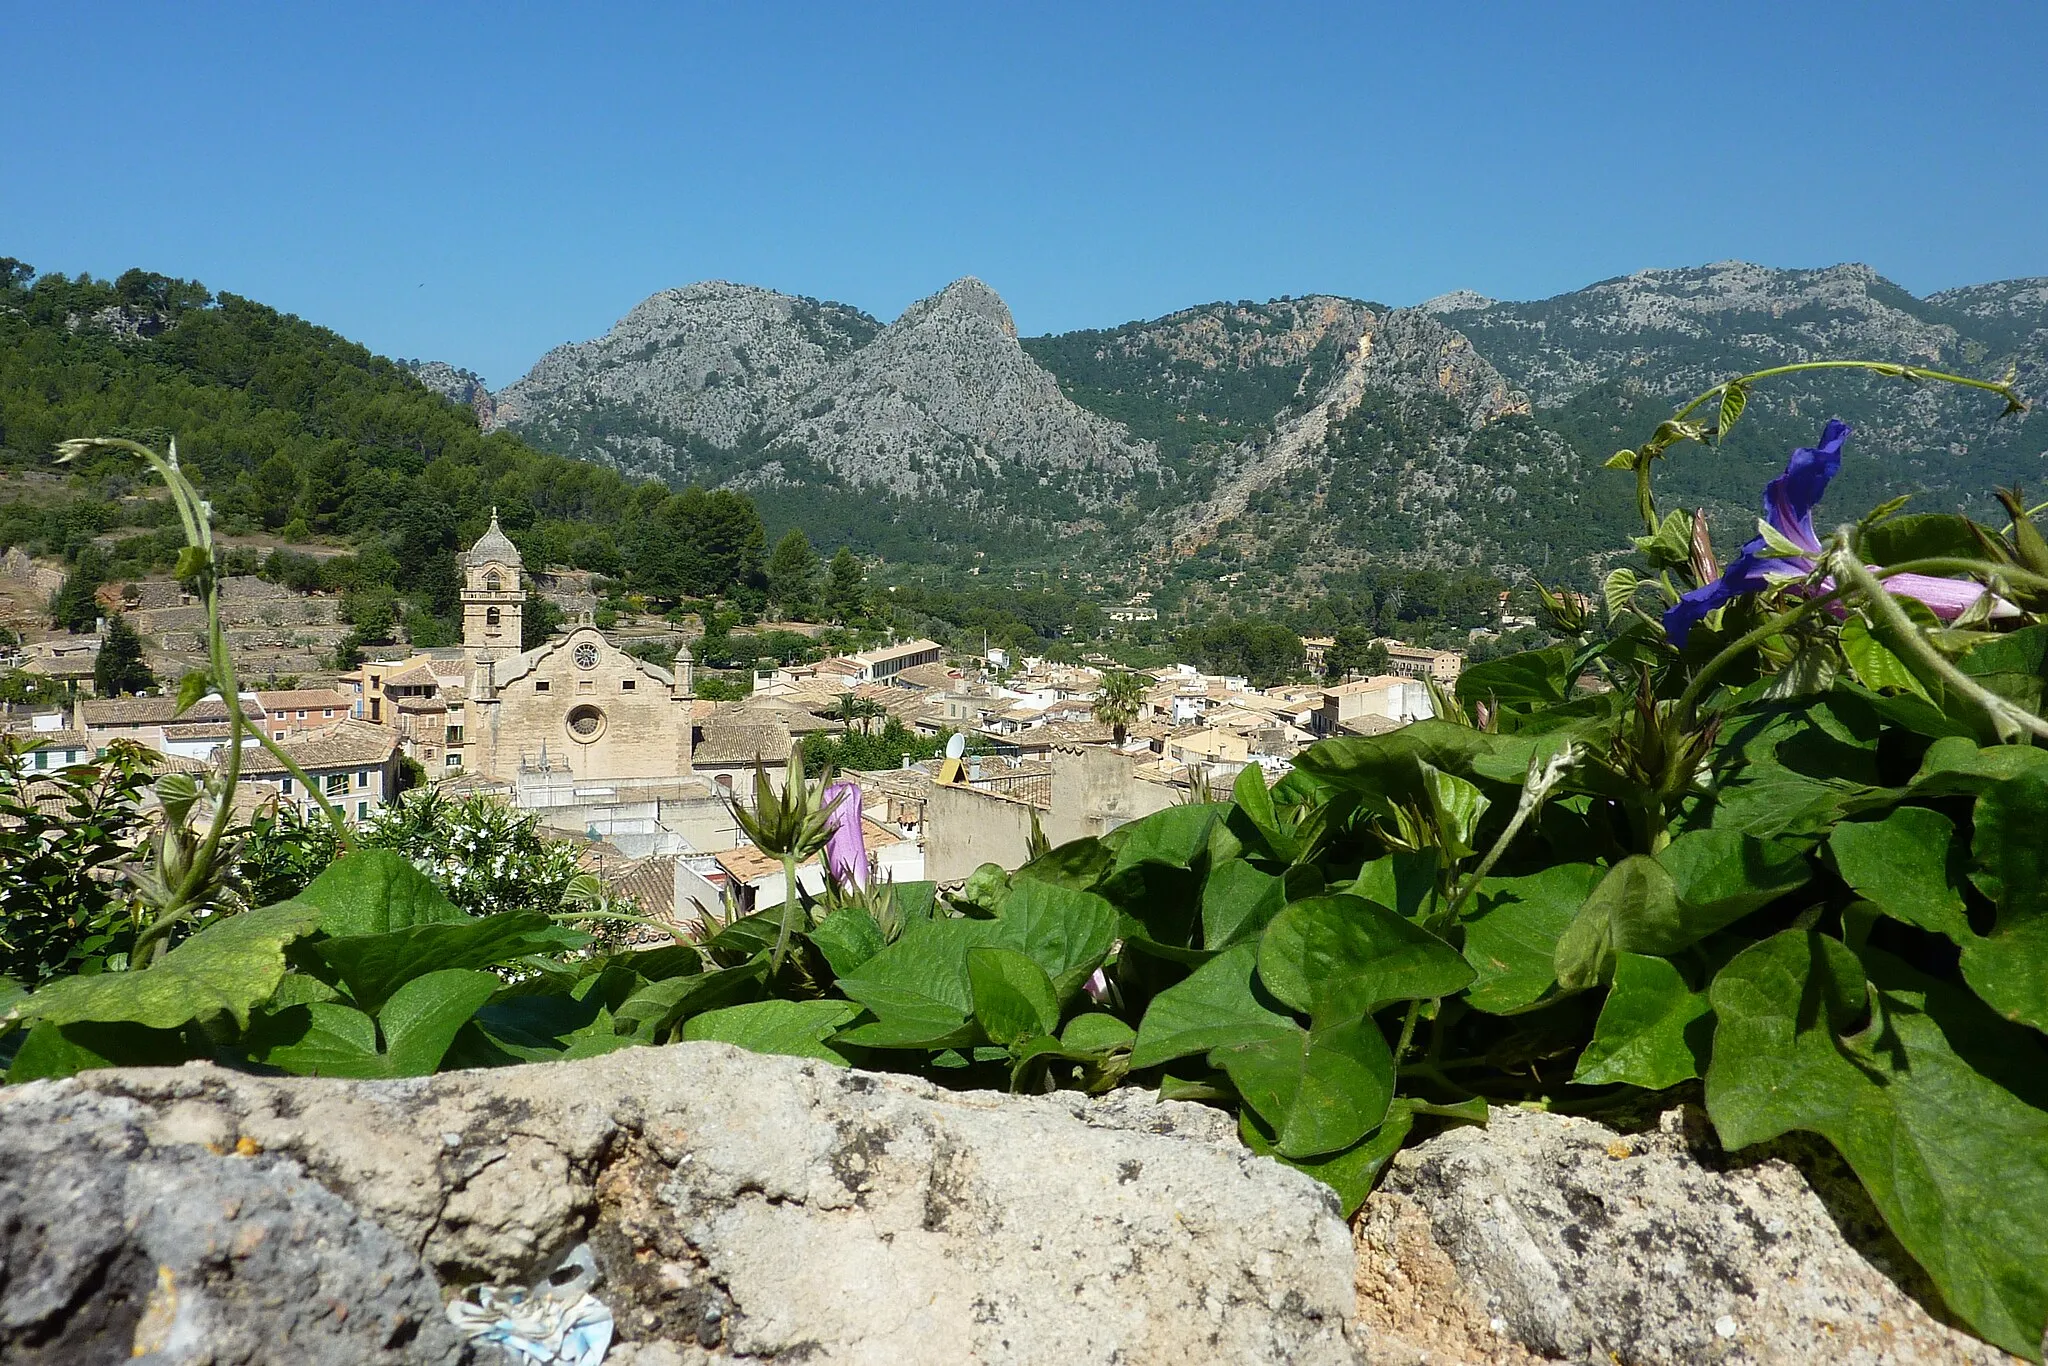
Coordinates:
(294, 430)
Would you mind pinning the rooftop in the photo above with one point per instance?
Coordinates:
(493, 547)
(347, 744)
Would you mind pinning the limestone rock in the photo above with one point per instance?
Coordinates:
(114, 1247)
(749, 1207)
(1546, 1237)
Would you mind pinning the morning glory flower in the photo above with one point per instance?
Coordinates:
(846, 854)
(1789, 501)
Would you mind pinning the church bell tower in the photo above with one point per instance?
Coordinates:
(493, 602)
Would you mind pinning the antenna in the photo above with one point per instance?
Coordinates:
(956, 746)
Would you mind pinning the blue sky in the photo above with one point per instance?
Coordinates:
(478, 184)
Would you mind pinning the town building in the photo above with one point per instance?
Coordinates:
(353, 764)
(1371, 706)
(576, 704)
(1416, 661)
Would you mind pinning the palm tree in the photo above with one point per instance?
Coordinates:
(1118, 699)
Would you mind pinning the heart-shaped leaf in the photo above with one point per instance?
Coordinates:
(1341, 957)
(1320, 1089)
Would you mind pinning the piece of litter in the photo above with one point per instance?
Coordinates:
(1724, 1326)
(554, 1322)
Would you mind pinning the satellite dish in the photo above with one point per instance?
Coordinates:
(956, 746)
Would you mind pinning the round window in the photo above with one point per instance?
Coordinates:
(586, 723)
(586, 655)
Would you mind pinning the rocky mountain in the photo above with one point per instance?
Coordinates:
(729, 383)
(1600, 362)
(457, 386)
(1315, 431)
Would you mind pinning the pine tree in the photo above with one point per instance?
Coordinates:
(793, 574)
(846, 586)
(75, 608)
(120, 668)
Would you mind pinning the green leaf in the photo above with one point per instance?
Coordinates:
(374, 891)
(1532, 678)
(848, 938)
(2009, 966)
(1701, 882)
(654, 1010)
(1238, 901)
(554, 1026)
(1511, 937)
(1872, 661)
(1670, 547)
(1920, 536)
(1654, 1030)
(1734, 399)
(799, 1029)
(421, 1018)
(191, 688)
(1096, 1032)
(1177, 836)
(1352, 1172)
(232, 965)
(984, 889)
(417, 1025)
(1457, 806)
(1900, 864)
(1388, 766)
(1618, 590)
(1956, 1163)
(373, 966)
(1217, 1004)
(1721, 876)
(1321, 1089)
(1013, 997)
(1954, 764)
(52, 1050)
(1635, 901)
(1341, 956)
(1254, 807)
(915, 1023)
(1079, 864)
(920, 983)
(1405, 880)
(1068, 933)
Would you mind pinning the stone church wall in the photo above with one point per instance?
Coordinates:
(639, 731)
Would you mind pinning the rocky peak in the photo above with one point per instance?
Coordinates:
(1456, 301)
(966, 299)
(457, 386)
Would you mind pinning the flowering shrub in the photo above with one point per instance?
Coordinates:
(487, 856)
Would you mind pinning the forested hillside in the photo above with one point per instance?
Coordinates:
(295, 430)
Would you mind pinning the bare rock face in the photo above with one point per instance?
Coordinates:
(742, 385)
(740, 1207)
(946, 392)
(751, 1208)
(1550, 1238)
(113, 1246)
(457, 386)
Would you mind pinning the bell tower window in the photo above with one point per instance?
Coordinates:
(492, 617)
(492, 583)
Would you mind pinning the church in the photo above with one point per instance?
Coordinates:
(575, 704)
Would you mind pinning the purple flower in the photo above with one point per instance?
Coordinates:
(1789, 501)
(846, 851)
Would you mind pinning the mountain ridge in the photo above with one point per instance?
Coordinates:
(1147, 441)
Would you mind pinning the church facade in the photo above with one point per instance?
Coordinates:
(576, 703)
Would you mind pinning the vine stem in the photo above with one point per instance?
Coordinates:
(1543, 776)
(1646, 503)
(2009, 721)
(1688, 701)
(195, 519)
